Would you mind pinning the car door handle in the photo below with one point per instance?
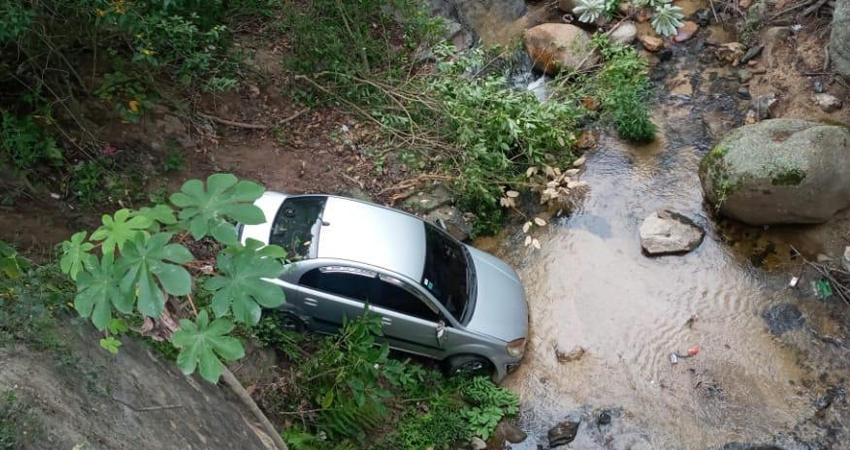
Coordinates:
(310, 301)
(386, 321)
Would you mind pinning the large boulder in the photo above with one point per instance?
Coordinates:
(558, 46)
(839, 39)
(779, 171)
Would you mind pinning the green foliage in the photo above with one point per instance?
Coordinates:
(205, 211)
(202, 344)
(139, 265)
(23, 144)
(12, 265)
(19, 425)
(589, 10)
(241, 287)
(622, 88)
(110, 344)
(666, 19)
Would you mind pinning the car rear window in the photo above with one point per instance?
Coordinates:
(296, 225)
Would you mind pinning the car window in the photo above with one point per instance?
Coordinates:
(446, 275)
(396, 298)
(349, 282)
(296, 225)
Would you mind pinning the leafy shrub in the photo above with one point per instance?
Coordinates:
(622, 88)
(23, 144)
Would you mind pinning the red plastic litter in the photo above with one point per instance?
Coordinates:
(693, 351)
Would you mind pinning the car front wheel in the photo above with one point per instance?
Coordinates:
(468, 365)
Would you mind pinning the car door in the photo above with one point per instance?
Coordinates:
(330, 294)
(410, 323)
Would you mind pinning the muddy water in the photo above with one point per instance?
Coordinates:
(591, 286)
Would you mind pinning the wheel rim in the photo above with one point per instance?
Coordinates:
(290, 323)
(470, 367)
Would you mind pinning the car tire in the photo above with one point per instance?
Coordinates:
(468, 365)
(290, 322)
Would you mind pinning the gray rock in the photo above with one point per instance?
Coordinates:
(625, 33)
(744, 93)
(819, 87)
(425, 202)
(839, 38)
(507, 431)
(567, 5)
(783, 318)
(666, 232)
(779, 171)
(744, 75)
(846, 262)
(827, 102)
(762, 106)
(564, 432)
(752, 53)
(478, 443)
(458, 226)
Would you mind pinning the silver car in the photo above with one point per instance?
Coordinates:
(436, 296)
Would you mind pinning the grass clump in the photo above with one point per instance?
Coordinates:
(18, 424)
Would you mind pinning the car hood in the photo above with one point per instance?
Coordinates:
(500, 307)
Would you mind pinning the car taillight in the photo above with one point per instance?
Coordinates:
(516, 348)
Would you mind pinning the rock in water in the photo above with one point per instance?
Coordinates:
(564, 432)
(779, 171)
(625, 33)
(782, 318)
(666, 232)
(507, 431)
(839, 39)
(651, 43)
(556, 46)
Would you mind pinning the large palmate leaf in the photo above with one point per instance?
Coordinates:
(206, 212)
(75, 253)
(144, 261)
(159, 213)
(241, 286)
(203, 343)
(119, 228)
(98, 291)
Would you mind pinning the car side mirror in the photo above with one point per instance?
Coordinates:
(441, 332)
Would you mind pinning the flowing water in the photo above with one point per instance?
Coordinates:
(591, 286)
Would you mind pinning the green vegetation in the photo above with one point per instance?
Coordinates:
(787, 177)
(346, 388)
(18, 424)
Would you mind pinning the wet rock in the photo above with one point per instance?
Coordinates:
(564, 432)
(651, 43)
(604, 418)
(763, 106)
(587, 140)
(573, 355)
(567, 5)
(686, 31)
(702, 17)
(507, 431)
(752, 53)
(827, 102)
(425, 202)
(744, 93)
(456, 223)
(818, 87)
(556, 46)
(625, 33)
(666, 54)
(839, 38)
(783, 318)
(667, 232)
(730, 52)
(779, 171)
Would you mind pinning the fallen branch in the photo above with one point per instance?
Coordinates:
(146, 408)
(810, 10)
(233, 123)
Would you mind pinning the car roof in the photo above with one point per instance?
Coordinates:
(373, 235)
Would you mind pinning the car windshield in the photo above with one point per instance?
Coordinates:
(447, 271)
(297, 225)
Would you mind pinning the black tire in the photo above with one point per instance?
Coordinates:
(290, 322)
(468, 365)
